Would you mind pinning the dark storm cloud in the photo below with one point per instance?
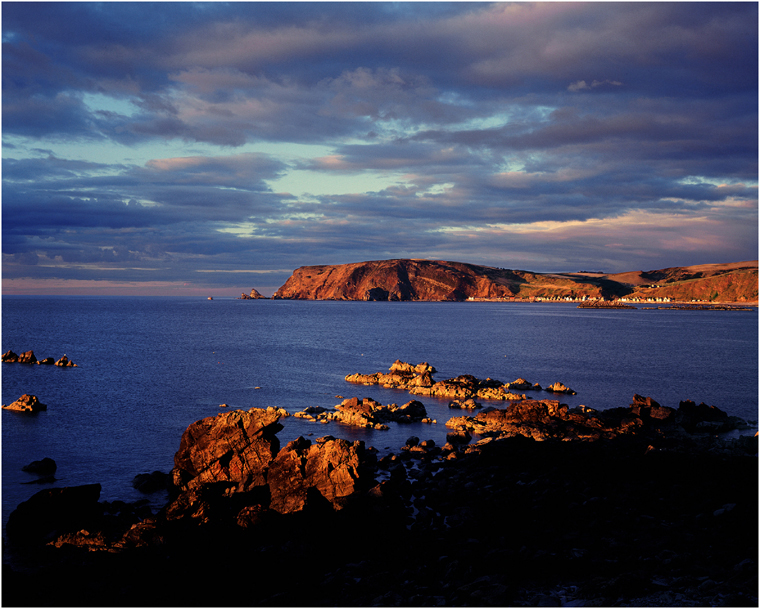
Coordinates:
(552, 132)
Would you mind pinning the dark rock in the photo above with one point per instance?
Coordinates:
(53, 512)
(151, 483)
(43, 467)
(9, 357)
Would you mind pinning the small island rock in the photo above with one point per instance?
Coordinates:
(26, 403)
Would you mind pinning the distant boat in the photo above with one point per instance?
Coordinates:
(210, 298)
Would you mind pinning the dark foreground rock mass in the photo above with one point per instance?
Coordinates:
(637, 512)
(437, 280)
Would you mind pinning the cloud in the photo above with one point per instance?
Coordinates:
(581, 85)
(166, 136)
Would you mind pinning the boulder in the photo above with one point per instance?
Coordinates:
(335, 468)
(26, 403)
(65, 362)
(151, 483)
(54, 512)
(369, 413)
(696, 418)
(27, 357)
(235, 447)
(9, 357)
(44, 467)
(48, 361)
(522, 384)
(560, 388)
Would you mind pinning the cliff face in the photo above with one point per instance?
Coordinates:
(710, 285)
(424, 280)
(436, 280)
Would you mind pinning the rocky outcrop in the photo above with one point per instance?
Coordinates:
(368, 413)
(330, 469)
(26, 403)
(233, 447)
(652, 516)
(43, 467)
(436, 280)
(559, 388)
(254, 295)
(28, 357)
(404, 279)
(418, 380)
(65, 362)
(549, 419)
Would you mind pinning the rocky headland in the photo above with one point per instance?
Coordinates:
(28, 357)
(531, 504)
(436, 280)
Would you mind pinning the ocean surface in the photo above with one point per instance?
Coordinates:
(147, 367)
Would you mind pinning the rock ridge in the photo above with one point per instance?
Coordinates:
(438, 280)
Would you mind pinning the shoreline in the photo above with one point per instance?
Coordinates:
(655, 511)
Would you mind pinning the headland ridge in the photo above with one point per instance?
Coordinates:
(438, 280)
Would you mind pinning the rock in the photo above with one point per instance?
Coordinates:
(48, 361)
(27, 358)
(433, 280)
(234, 447)
(65, 362)
(43, 467)
(521, 383)
(418, 380)
(465, 404)
(26, 403)
(560, 388)
(368, 413)
(54, 512)
(335, 468)
(254, 295)
(690, 416)
(458, 438)
(548, 419)
(151, 483)
(10, 357)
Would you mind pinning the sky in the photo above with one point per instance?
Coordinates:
(210, 148)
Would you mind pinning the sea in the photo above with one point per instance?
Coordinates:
(147, 367)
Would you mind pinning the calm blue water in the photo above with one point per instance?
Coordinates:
(148, 367)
